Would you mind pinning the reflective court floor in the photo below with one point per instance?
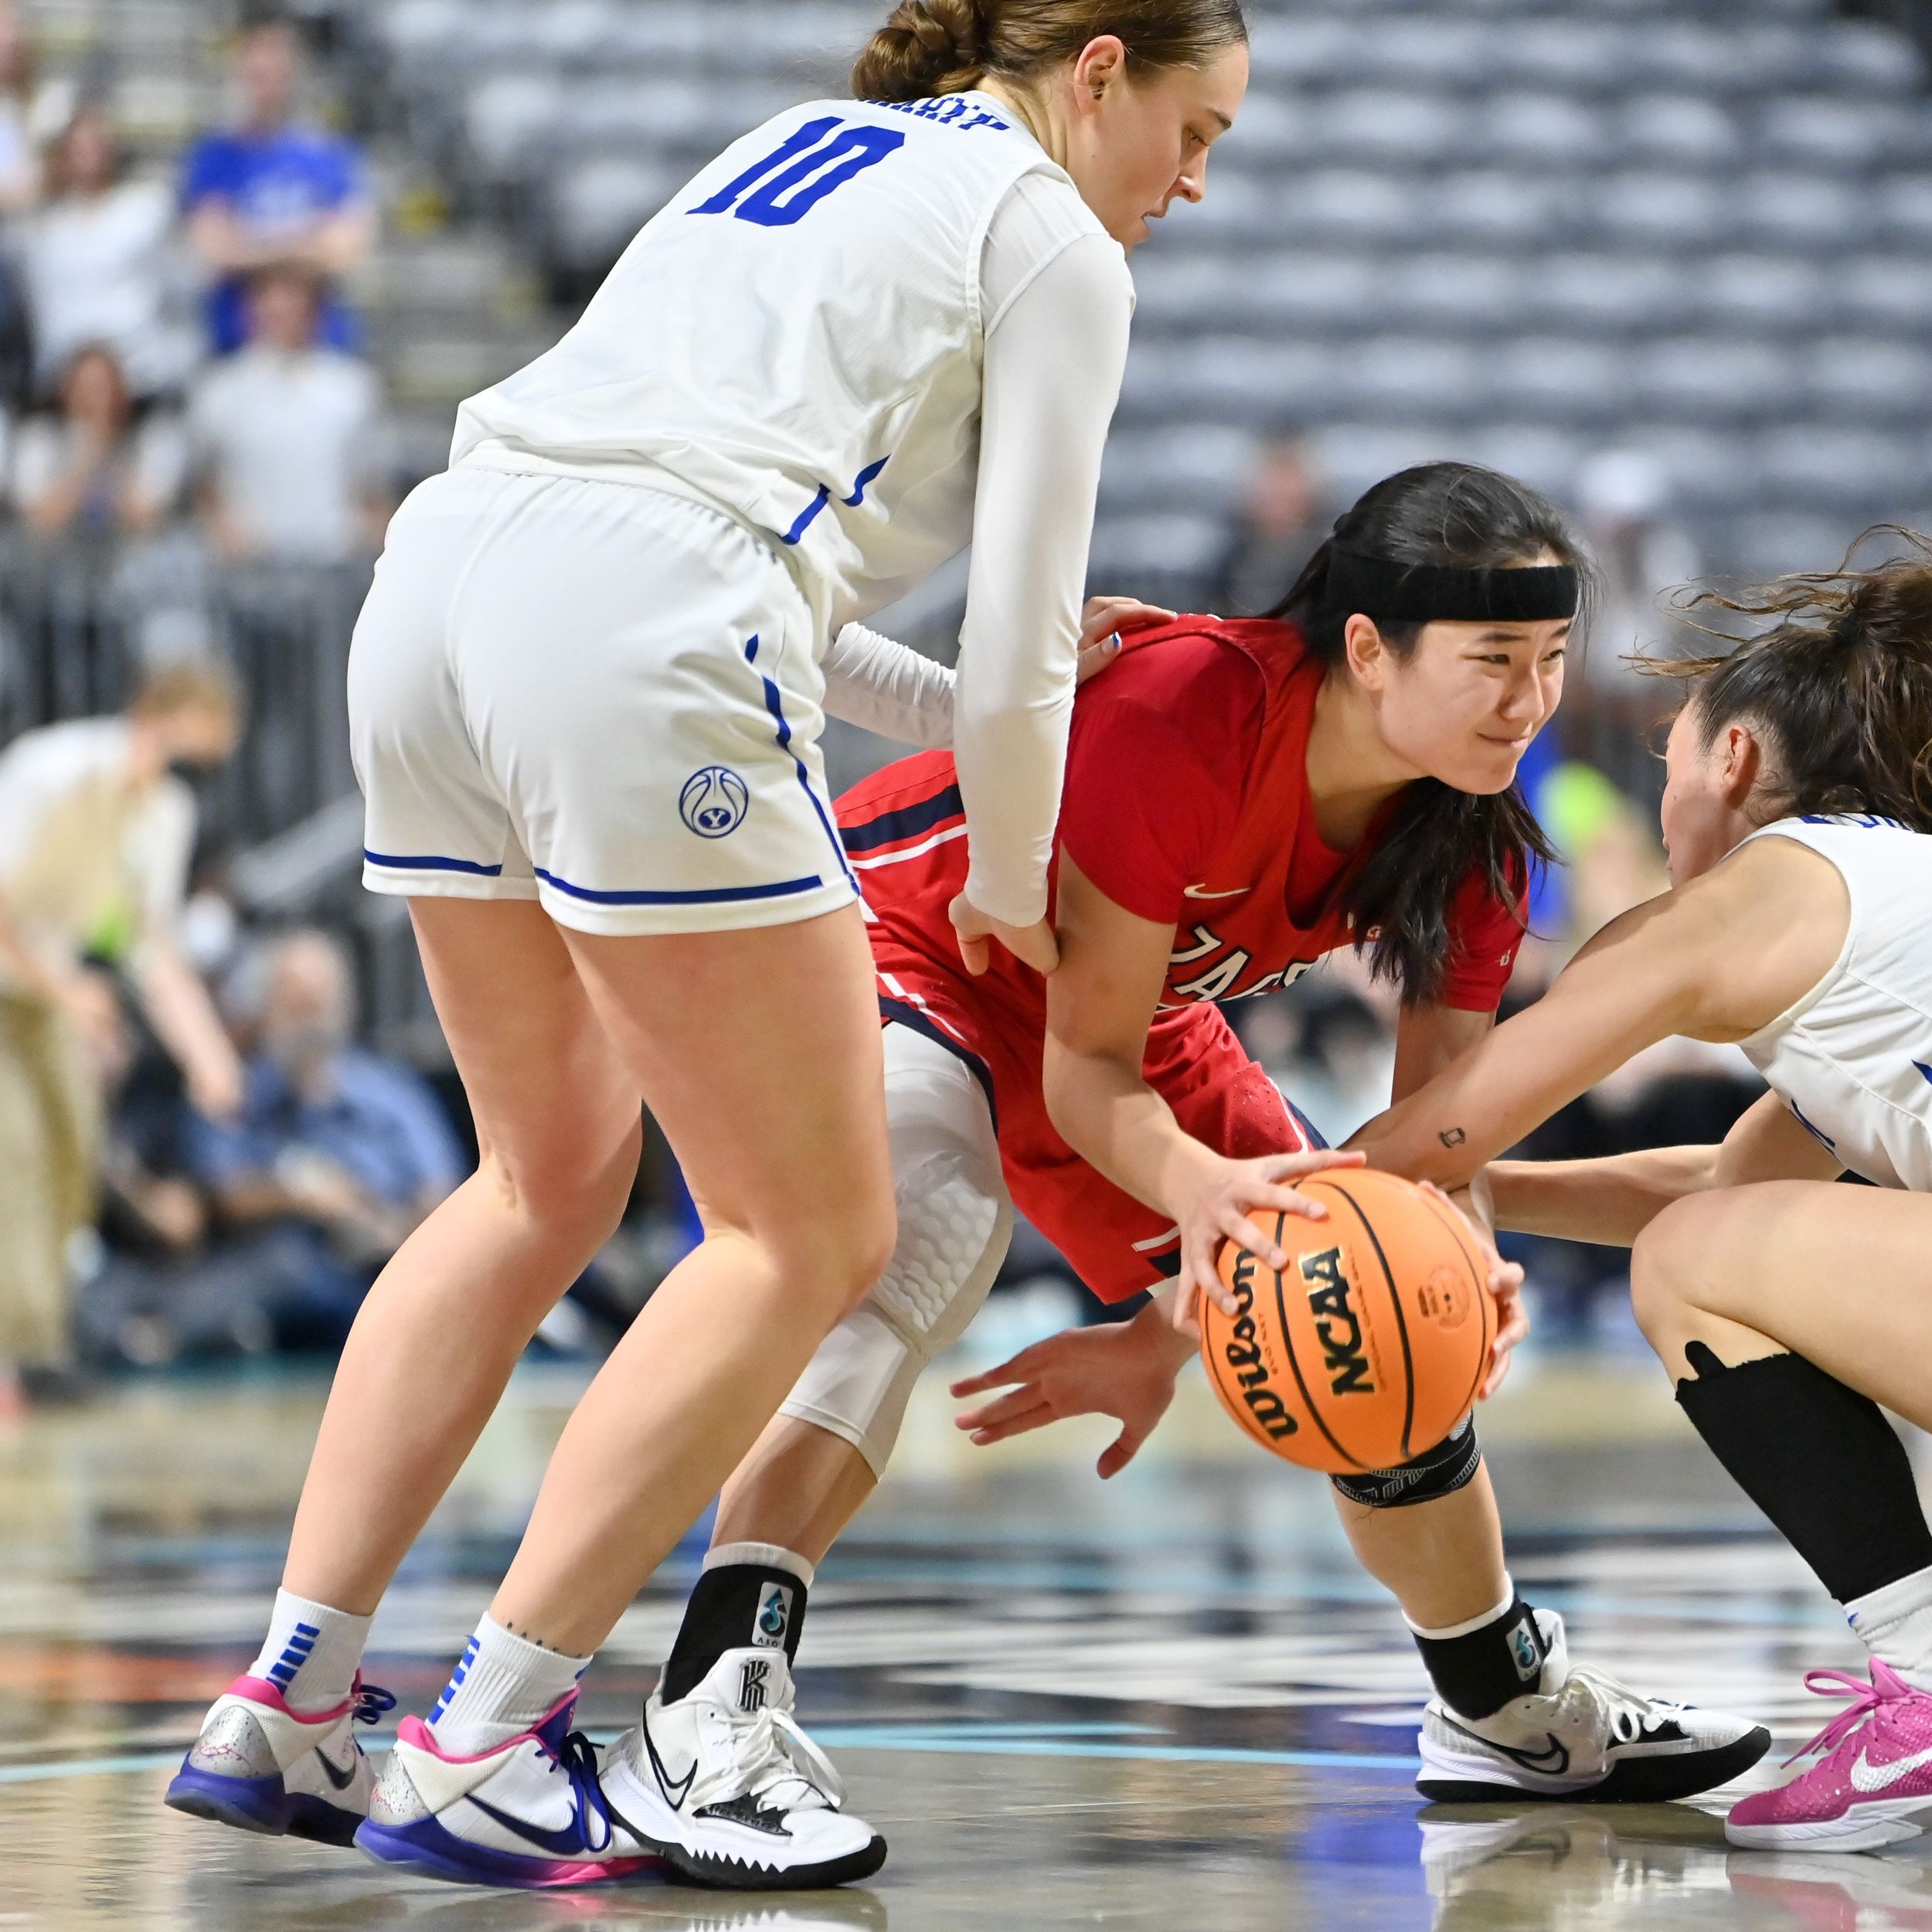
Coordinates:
(1167, 1702)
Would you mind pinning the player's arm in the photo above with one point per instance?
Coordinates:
(1114, 965)
(1613, 1200)
(1717, 960)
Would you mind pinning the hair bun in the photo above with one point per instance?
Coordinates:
(927, 47)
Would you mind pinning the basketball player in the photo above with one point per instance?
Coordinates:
(1798, 819)
(586, 694)
(1242, 798)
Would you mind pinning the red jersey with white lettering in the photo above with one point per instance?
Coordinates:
(1186, 800)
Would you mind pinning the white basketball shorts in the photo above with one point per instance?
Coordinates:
(594, 695)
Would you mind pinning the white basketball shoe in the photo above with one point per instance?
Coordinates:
(732, 1792)
(260, 1766)
(1581, 1737)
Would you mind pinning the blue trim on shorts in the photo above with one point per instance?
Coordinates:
(774, 703)
(432, 863)
(713, 896)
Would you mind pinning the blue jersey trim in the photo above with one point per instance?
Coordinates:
(775, 705)
(908, 822)
(431, 862)
(712, 896)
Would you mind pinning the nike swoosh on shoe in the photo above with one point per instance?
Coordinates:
(1555, 1761)
(342, 1780)
(1869, 1778)
(564, 1844)
(664, 1783)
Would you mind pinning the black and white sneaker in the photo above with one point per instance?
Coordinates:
(1582, 1737)
(732, 1792)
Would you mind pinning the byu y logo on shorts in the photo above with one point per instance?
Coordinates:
(714, 802)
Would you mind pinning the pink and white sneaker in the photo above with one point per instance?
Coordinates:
(1873, 1785)
(530, 1815)
(260, 1766)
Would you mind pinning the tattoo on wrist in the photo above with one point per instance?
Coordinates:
(1452, 1136)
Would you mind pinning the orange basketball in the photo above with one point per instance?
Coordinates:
(1368, 1351)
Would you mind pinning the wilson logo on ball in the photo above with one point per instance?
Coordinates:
(1244, 1357)
(714, 802)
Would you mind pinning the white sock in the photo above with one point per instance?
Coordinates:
(311, 1653)
(1896, 1623)
(502, 1686)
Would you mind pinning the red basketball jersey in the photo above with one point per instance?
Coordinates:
(1187, 800)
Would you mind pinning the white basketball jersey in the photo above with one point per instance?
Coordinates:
(1852, 1059)
(797, 338)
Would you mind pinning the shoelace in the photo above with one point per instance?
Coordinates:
(1867, 1700)
(372, 1702)
(576, 1757)
(771, 1749)
(1631, 1714)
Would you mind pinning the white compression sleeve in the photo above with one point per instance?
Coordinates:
(1055, 356)
(885, 686)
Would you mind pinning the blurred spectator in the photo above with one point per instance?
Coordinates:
(19, 176)
(99, 256)
(95, 837)
(286, 437)
(1283, 521)
(90, 468)
(1623, 497)
(272, 190)
(335, 1155)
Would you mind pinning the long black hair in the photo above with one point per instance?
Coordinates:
(1400, 894)
(1840, 685)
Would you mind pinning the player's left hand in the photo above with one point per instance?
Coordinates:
(1120, 1371)
(1037, 946)
(1101, 624)
(1505, 1284)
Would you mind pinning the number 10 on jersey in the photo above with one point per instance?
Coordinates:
(817, 161)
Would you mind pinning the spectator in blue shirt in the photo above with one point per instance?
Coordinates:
(337, 1150)
(273, 191)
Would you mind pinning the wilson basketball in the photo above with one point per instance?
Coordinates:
(1369, 1348)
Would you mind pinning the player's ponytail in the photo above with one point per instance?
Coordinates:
(934, 47)
(1838, 685)
(1464, 518)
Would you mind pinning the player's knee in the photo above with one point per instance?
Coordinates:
(579, 1192)
(1660, 1268)
(837, 1257)
(1451, 1465)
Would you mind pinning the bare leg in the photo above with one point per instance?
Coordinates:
(768, 1079)
(1442, 1561)
(434, 1345)
(799, 1488)
(1835, 1274)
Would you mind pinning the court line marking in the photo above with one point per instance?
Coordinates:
(867, 1738)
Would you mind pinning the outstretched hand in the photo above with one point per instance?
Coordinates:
(1121, 1371)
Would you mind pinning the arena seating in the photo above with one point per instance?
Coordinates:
(1525, 230)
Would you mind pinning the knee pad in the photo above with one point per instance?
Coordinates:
(955, 1222)
(1450, 1466)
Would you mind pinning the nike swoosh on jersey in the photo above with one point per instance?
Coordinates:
(1201, 892)
(1868, 1777)
(563, 1845)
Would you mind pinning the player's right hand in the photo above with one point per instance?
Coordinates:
(1111, 1371)
(1214, 1207)
(1035, 946)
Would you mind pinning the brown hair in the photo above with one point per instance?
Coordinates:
(933, 47)
(1839, 684)
(197, 684)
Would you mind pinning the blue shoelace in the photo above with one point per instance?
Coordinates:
(577, 1758)
(372, 1702)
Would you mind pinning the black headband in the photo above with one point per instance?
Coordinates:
(1437, 593)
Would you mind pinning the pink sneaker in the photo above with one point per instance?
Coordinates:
(1873, 1785)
